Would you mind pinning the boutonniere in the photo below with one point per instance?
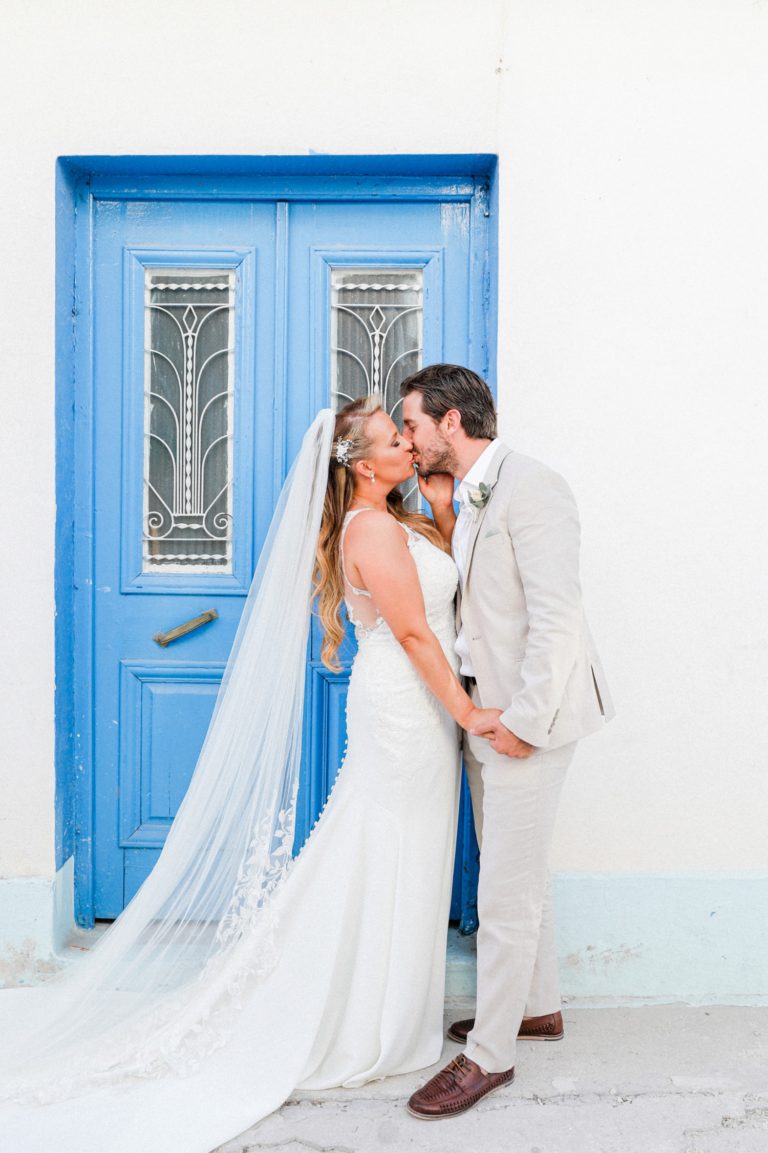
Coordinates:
(479, 497)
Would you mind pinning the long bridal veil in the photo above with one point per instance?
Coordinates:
(161, 987)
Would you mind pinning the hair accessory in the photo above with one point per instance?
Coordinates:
(341, 449)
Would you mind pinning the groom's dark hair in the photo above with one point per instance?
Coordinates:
(445, 386)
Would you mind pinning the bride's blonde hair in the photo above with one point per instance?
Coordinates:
(350, 428)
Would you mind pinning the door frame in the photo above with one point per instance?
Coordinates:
(80, 182)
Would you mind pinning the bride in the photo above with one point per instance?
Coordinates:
(239, 973)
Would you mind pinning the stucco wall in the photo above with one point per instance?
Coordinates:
(633, 355)
(632, 334)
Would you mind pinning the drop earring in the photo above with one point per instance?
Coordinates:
(373, 477)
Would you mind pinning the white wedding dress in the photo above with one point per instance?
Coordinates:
(361, 919)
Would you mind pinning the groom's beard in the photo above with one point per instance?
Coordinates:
(438, 457)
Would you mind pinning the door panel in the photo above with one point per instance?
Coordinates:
(220, 329)
(159, 702)
(329, 244)
(165, 555)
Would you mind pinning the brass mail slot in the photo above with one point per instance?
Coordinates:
(188, 627)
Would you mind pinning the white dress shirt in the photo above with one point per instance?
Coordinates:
(460, 539)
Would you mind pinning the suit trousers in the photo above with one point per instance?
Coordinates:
(514, 804)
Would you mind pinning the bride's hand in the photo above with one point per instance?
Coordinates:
(480, 719)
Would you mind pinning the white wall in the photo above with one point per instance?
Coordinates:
(632, 337)
(634, 321)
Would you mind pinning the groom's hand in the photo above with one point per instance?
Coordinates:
(437, 488)
(503, 741)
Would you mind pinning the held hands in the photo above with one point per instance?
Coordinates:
(476, 719)
(499, 736)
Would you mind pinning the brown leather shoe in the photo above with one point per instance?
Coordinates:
(548, 1028)
(456, 1088)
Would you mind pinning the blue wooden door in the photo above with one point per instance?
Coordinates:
(221, 326)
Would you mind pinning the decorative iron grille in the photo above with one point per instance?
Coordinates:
(376, 338)
(188, 420)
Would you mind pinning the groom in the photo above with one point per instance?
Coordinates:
(524, 645)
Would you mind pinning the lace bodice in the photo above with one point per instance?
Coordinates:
(437, 575)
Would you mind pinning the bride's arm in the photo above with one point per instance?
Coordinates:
(376, 549)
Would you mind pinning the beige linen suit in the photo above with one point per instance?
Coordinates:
(533, 657)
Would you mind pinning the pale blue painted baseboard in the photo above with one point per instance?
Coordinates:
(702, 939)
(623, 939)
(36, 917)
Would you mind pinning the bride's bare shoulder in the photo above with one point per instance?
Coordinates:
(374, 529)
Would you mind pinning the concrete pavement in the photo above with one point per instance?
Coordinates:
(652, 1079)
(646, 1079)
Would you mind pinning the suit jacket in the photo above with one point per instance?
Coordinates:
(521, 607)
